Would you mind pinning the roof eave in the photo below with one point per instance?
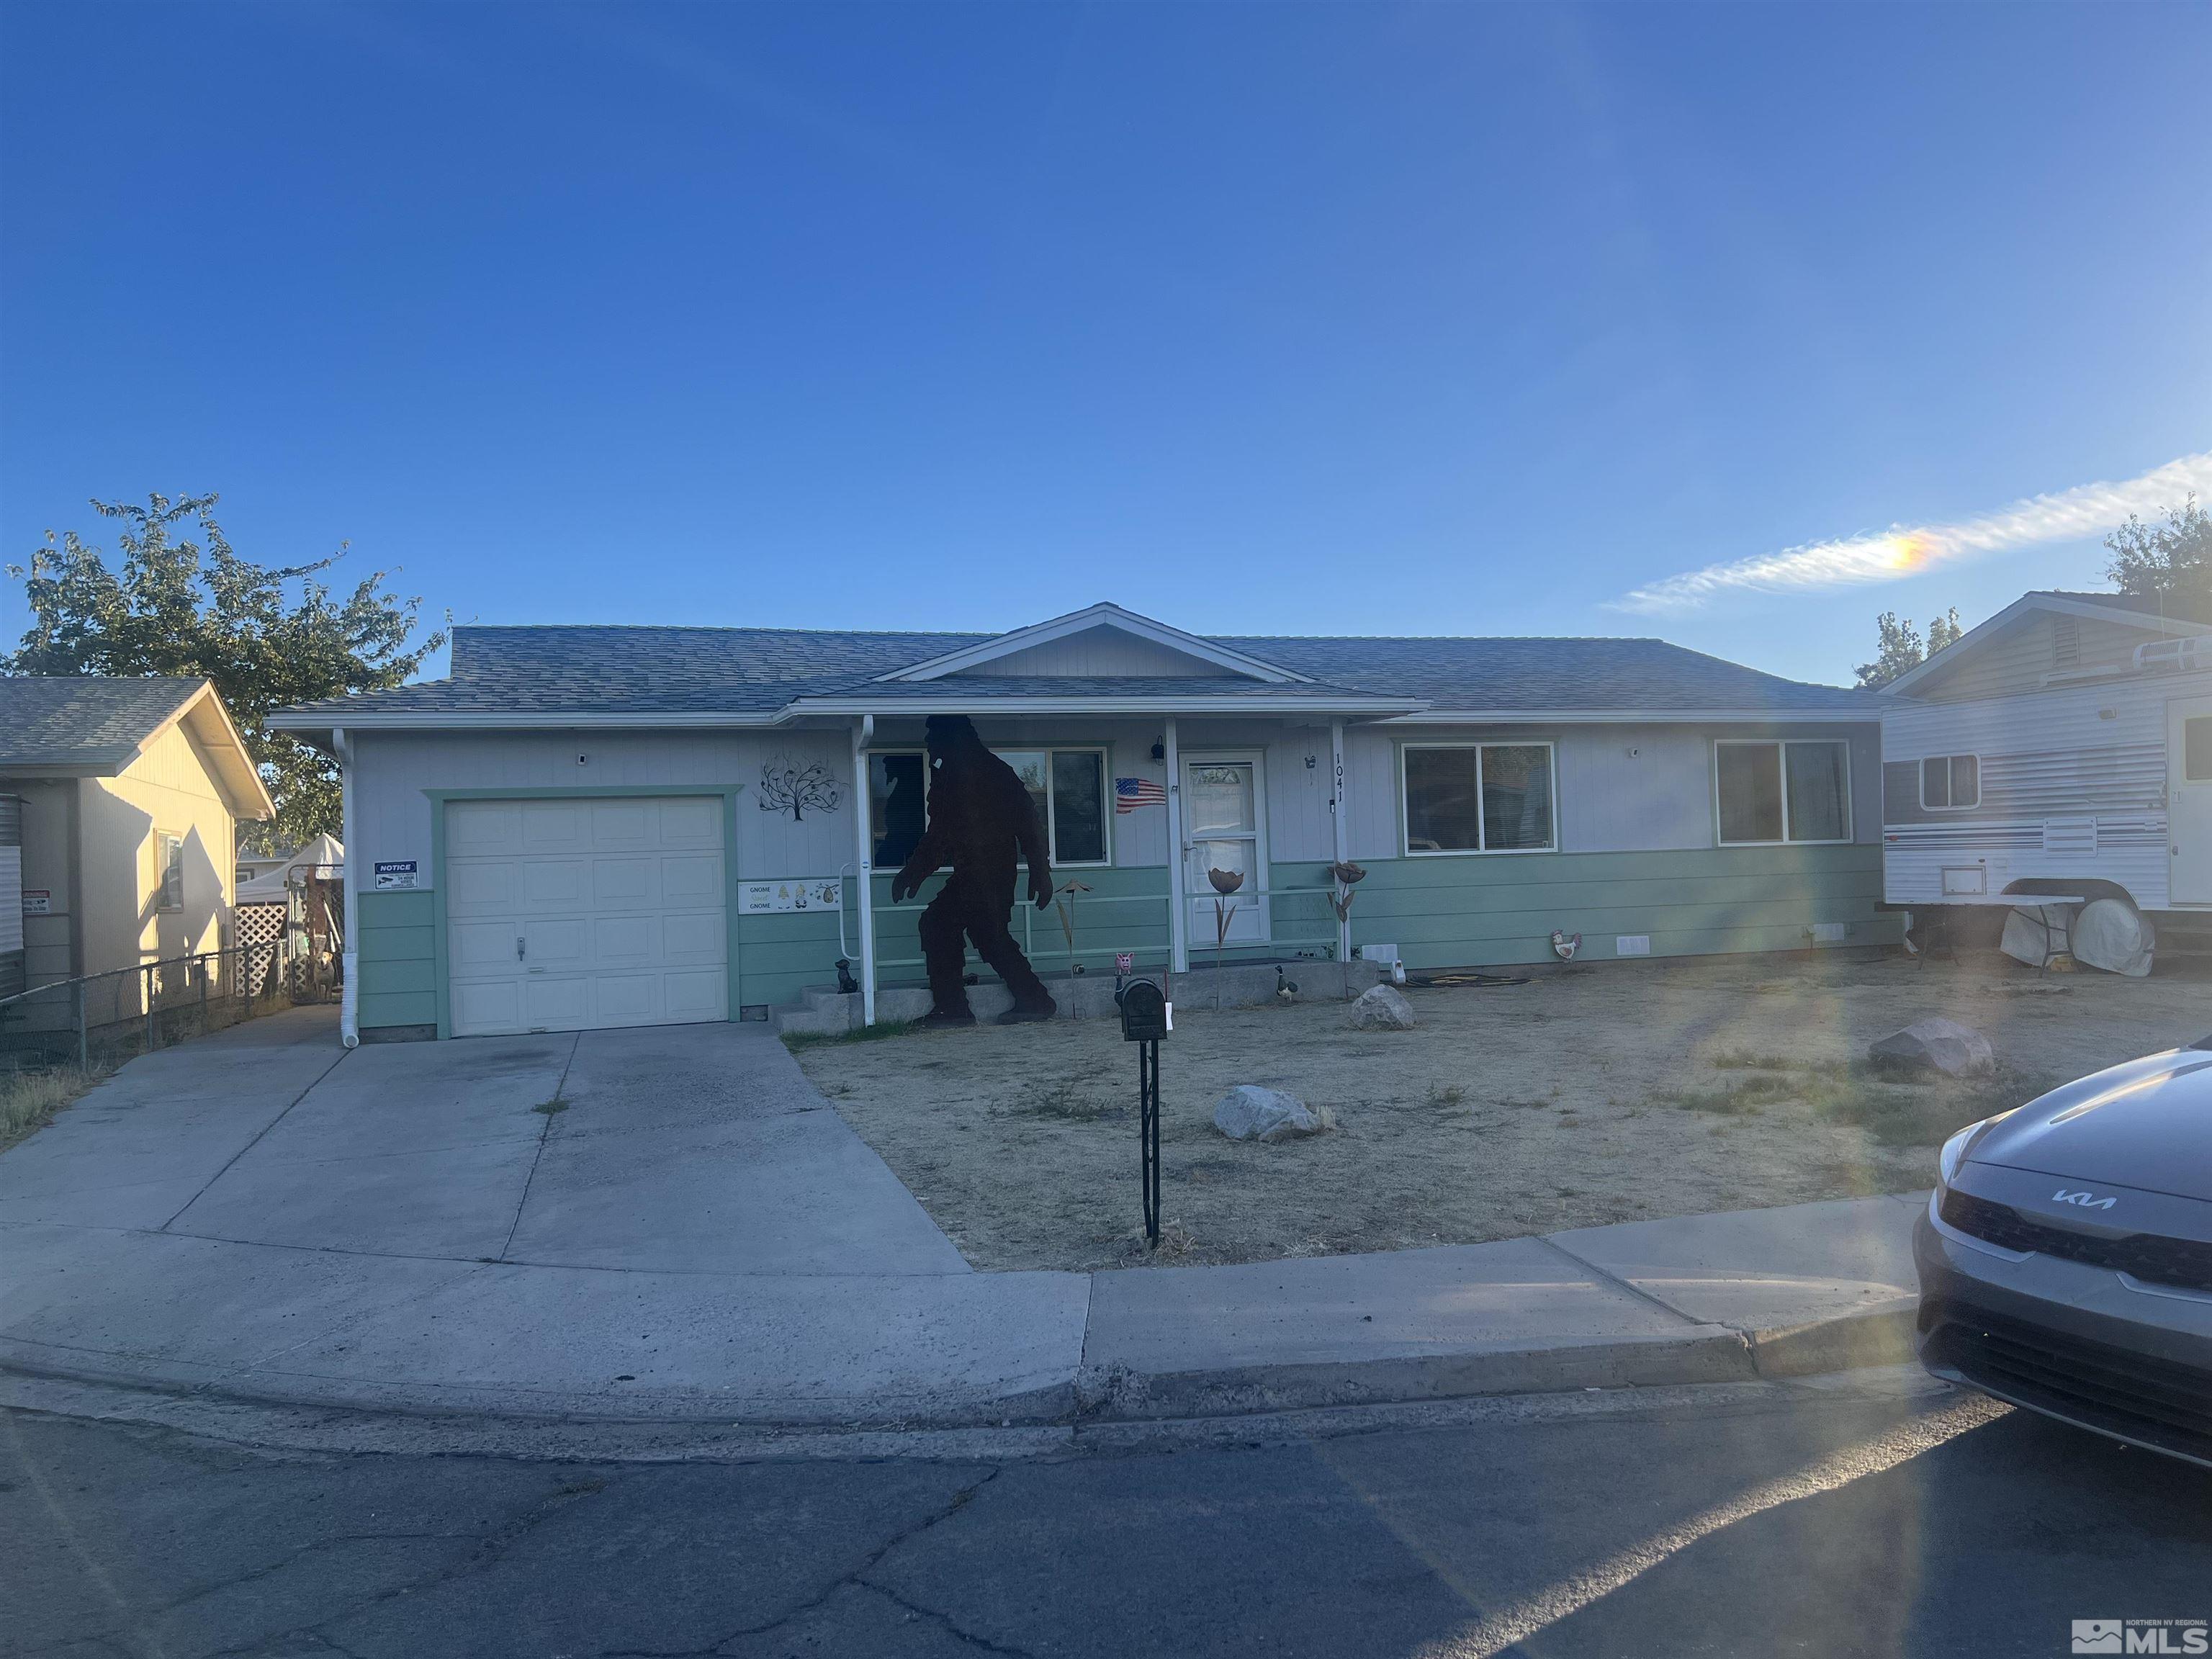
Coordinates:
(1870, 716)
(953, 703)
(1103, 614)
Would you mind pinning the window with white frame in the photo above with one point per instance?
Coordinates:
(1776, 790)
(1067, 784)
(1479, 798)
(1949, 782)
(169, 870)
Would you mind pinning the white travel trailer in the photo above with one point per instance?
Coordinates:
(2064, 747)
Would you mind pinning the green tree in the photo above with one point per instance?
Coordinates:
(2170, 563)
(265, 635)
(1901, 648)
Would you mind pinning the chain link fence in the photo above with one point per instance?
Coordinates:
(104, 1019)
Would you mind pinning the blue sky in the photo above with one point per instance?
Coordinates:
(1266, 319)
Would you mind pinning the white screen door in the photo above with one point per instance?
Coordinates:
(2189, 801)
(1225, 823)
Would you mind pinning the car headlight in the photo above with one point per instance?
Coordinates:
(1954, 1153)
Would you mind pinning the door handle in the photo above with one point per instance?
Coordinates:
(518, 947)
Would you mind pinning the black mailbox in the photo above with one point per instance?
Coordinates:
(1144, 1010)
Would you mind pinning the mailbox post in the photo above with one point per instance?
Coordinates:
(1146, 1016)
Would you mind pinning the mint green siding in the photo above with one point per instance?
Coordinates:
(1498, 910)
(397, 958)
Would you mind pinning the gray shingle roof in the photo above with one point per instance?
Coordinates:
(78, 721)
(650, 670)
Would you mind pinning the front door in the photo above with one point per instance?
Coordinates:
(2189, 801)
(1224, 829)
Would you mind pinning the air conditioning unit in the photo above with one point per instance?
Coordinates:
(2194, 651)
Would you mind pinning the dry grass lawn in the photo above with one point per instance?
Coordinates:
(1587, 1096)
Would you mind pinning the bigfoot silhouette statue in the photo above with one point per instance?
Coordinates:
(980, 816)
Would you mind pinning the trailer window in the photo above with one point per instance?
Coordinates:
(2197, 750)
(1948, 782)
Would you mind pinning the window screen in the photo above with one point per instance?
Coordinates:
(1750, 791)
(896, 807)
(170, 849)
(1078, 806)
(1820, 802)
(1517, 798)
(1444, 801)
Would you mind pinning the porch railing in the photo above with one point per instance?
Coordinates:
(1036, 923)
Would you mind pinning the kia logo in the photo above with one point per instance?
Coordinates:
(2086, 1200)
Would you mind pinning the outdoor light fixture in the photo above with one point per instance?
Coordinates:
(1160, 749)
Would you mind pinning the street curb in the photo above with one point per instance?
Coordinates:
(1880, 1335)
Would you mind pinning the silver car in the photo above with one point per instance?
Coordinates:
(2066, 1257)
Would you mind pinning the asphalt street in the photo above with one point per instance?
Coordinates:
(1770, 1520)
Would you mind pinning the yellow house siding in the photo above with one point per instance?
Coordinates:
(170, 789)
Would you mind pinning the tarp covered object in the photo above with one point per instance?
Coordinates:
(2035, 934)
(2113, 935)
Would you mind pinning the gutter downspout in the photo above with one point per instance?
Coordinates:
(1338, 828)
(1178, 906)
(864, 733)
(349, 960)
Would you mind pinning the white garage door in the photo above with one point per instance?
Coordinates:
(566, 914)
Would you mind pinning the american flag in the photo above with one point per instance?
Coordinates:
(1130, 793)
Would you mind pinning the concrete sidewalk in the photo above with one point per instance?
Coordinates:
(694, 1236)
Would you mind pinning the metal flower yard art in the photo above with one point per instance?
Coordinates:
(1225, 882)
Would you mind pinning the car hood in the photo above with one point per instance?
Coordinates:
(2146, 1124)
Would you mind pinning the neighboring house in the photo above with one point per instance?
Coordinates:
(2062, 747)
(603, 826)
(131, 792)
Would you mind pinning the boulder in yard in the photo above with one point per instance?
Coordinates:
(1249, 1112)
(1382, 1008)
(1936, 1045)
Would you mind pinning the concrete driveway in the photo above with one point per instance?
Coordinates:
(262, 1210)
(684, 1149)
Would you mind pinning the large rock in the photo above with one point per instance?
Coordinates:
(1936, 1045)
(1382, 1008)
(1249, 1112)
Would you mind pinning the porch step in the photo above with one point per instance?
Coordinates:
(827, 1011)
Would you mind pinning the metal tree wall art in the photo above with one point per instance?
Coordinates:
(1346, 875)
(785, 786)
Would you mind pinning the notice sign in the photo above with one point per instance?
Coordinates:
(37, 902)
(763, 898)
(394, 873)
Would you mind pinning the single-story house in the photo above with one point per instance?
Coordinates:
(2064, 747)
(130, 792)
(588, 826)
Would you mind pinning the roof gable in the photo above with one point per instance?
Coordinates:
(1103, 638)
(2117, 609)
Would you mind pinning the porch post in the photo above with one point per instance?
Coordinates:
(864, 848)
(1338, 827)
(1178, 906)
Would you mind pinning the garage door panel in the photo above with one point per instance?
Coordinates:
(627, 884)
(619, 907)
(557, 1004)
(555, 944)
(700, 995)
(480, 887)
(555, 826)
(691, 879)
(695, 822)
(622, 824)
(553, 883)
(629, 999)
(693, 939)
(485, 827)
(625, 941)
(488, 1005)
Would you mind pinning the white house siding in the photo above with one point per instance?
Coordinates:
(2095, 753)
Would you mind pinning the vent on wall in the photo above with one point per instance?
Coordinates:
(2065, 645)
